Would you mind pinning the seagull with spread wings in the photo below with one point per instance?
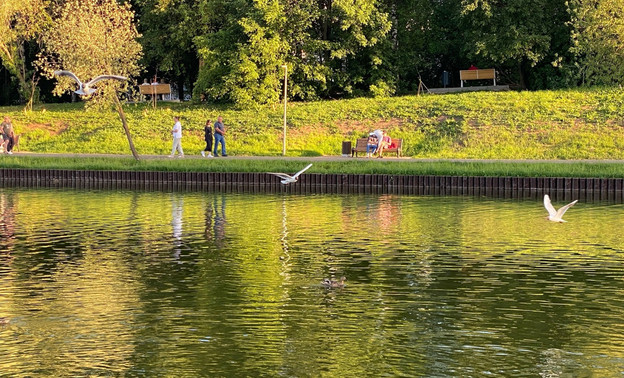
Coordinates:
(288, 179)
(555, 215)
(84, 89)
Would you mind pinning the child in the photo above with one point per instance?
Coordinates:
(371, 145)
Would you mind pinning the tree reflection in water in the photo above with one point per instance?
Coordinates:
(437, 286)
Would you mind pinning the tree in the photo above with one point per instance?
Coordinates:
(167, 30)
(21, 21)
(331, 47)
(598, 40)
(512, 32)
(90, 38)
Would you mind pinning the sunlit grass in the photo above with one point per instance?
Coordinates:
(348, 166)
(565, 124)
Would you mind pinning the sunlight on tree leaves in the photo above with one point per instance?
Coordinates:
(92, 38)
(21, 21)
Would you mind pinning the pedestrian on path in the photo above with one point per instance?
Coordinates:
(177, 138)
(7, 135)
(219, 136)
(208, 138)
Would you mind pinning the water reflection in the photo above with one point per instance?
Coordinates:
(177, 204)
(8, 207)
(215, 220)
(213, 284)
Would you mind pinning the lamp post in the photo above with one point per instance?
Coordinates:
(285, 67)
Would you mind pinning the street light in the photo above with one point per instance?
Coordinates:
(285, 67)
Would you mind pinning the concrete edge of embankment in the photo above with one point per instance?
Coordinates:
(610, 189)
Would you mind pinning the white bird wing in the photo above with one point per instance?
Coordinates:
(301, 171)
(565, 208)
(70, 74)
(549, 207)
(281, 175)
(105, 77)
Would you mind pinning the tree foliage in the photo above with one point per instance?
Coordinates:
(92, 38)
(328, 45)
(167, 29)
(21, 21)
(233, 50)
(598, 40)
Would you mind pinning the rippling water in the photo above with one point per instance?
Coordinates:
(212, 284)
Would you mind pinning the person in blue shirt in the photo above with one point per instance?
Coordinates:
(219, 136)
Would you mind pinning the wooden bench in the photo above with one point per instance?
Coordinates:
(486, 74)
(360, 146)
(154, 89)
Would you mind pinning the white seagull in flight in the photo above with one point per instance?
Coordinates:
(555, 215)
(288, 179)
(85, 88)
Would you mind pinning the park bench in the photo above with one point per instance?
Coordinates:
(154, 90)
(486, 74)
(360, 146)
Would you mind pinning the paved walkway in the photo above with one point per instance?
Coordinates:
(320, 158)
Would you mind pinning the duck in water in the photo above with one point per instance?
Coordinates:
(332, 283)
(4, 321)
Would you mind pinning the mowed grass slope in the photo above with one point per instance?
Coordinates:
(566, 124)
(342, 166)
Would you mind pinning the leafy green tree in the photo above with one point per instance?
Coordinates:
(21, 22)
(91, 38)
(330, 46)
(512, 32)
(167, 29)
(217, 46)
(598, 40)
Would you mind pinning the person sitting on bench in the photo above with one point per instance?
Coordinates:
(386, 142)
(371, 145)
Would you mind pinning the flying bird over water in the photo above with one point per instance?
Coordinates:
(84, 89)
(555, 215)
(288, 179)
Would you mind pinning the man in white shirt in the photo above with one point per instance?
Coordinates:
(177, 138)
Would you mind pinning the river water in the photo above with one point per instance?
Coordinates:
(101, 283)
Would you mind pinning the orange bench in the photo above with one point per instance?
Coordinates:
(360, 146)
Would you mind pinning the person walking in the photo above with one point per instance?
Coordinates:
(7, 135)
(219, 136)
(208, 138)
(177, 138)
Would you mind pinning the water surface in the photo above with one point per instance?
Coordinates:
(213, 284)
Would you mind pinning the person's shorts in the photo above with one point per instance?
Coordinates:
(5, 136)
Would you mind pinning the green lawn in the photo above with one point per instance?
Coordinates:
(566, 124)
(348, 166)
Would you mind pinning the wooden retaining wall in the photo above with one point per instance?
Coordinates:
(558, 187)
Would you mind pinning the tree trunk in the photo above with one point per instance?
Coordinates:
(180, 84)
(122, 116)
(523, 83)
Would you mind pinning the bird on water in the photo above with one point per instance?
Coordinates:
(333, 283)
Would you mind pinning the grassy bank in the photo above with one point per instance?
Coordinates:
(348, 166)
(567, 124)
